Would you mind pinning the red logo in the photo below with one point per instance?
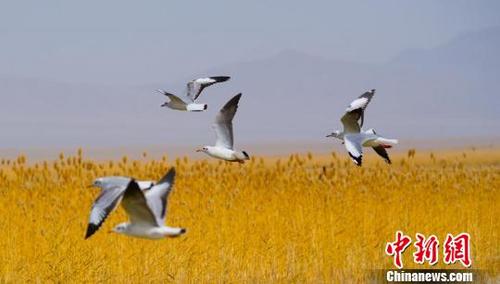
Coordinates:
(457, 249)
(397, 248)
(427, 249)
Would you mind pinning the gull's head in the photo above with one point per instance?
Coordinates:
(120, 228)
(335, 134)
(203, 149)
(104, 182)
(98, 182)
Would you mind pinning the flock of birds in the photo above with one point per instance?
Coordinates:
(145, 202)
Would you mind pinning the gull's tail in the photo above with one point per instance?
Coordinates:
(173, 232)
(386, 142)
(391, 141)
(196, 107)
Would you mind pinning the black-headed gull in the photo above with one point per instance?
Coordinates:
(354, 139)
(223, 127)
(146, 209)
(193, 91)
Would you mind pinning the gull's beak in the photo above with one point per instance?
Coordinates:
(164, 104)
(329, 135)
(199, 150)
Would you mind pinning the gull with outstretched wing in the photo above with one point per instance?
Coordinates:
(223, 127)
(146, 208)
(193, 91)
(354, 139)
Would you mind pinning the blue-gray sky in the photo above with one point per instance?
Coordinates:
(133, 42)
(71, 72)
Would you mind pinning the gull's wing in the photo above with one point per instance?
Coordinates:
(157, 196)
(382, 153)
(112, 181)
(175, 99)
(105, 203)
(350, 121)
(359, 105)
(362, 101)
(223, 125)
(354, 148)
(195, 87)
(135, 204)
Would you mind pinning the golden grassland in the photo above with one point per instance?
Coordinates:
(302, 218)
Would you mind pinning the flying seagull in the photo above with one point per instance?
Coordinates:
(193, 91)
(223, 127)
(146, 210)
(354, 138)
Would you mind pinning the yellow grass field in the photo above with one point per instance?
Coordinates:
(301, 218)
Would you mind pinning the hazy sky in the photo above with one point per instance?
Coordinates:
(130, 42)
(84, 73)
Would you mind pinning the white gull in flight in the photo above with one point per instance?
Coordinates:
(223, 127)
(146, 209)
(193, 91)
(354, 138)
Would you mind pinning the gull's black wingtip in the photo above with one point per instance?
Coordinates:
(246, 155)
(168, 177)
(165, 93)
(220, 78)
(233, 101)
(357, 160)
(91, 229)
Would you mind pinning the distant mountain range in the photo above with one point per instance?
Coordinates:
(448, 91)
